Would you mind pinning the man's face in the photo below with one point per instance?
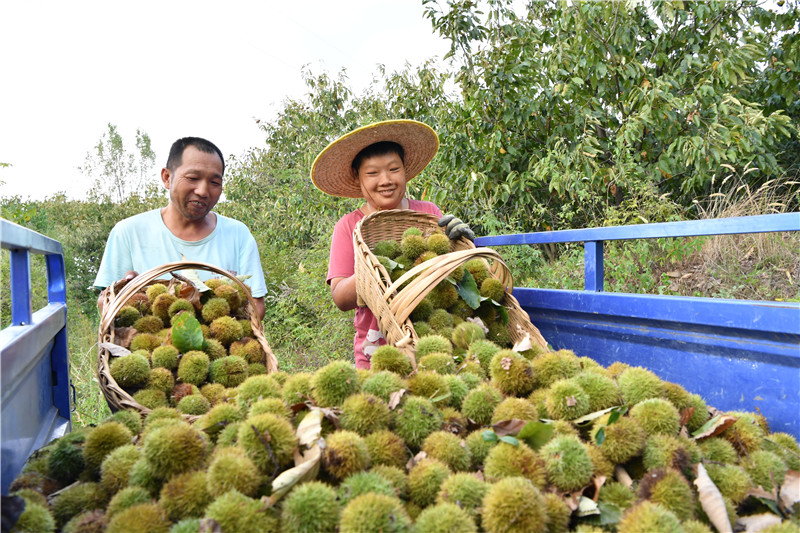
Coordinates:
(383, 181)
(196, 185)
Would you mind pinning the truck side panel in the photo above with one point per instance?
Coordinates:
(34, 369)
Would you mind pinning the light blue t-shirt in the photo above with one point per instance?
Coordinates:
(143, 242)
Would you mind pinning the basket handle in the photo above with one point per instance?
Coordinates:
(428, 274)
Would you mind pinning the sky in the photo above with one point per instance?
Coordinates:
(176, 68)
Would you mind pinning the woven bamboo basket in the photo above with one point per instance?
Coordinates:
(393, 306)
(118, 295)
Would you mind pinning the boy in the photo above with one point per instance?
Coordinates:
(375, 163)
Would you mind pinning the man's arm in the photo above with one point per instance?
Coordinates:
(260, 308)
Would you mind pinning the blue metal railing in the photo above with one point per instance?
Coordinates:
(737, 354)
(33, 353)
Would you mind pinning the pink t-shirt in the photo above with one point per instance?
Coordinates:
(342, 265)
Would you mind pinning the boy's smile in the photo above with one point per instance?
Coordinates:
(383, 181)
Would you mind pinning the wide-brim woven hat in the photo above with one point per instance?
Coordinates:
(332, 173)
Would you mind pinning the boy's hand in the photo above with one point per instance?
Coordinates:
(455, 228)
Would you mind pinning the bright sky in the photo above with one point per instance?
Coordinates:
(175, 68)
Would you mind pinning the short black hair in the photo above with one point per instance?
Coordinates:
(378, 149)
(178, 147)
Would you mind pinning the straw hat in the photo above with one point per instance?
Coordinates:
(332, 173)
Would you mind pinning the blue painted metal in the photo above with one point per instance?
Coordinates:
(34, 368)
(593, 266)
(737, 354)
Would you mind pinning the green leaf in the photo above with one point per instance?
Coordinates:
(489, 436)
(510, 440)
(186, 333)
(536, 434)
(600, 436)
(468, 290)
(502, 314)
(609, 514)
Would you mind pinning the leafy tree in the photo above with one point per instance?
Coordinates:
(569, 108)
(117, 172)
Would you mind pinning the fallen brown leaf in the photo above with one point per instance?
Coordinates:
(711, 500)
(394, 399)
(509, 427)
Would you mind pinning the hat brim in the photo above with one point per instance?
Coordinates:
(331, 171)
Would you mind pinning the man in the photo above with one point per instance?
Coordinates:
(186, 228)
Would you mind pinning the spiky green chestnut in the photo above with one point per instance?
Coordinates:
(386, 448)
(433, 344)
(618, 494)
(127, 497)
(657, 415)
(444, 517)
(297, 388)
(719, 450)
(602, 391)
(115, 468)
(493, 289)
(396, 476)
(215, 308)
(466, 333)
(478, 447)
(270, 405)
(76, 498)
(623, 440)
(558, 514)
(279, 435)
(390, 359)
(745, 434)
(34, 518)
(732, 480)
(649, 517)
(230, 468)
(566, 400)
(412, 246)
(424, 308)
(127, 316)
(185, 495)
(441, 363)
(334, 382)
(511, 408)
(415, 419)
(431, 385)
(382, 384)
(373, 513)
(193, 367)
(507, 460)
(65, 462)
(511, 373)
(131, 370)
(514, 504)
(103, 440)
(149, 324)
(483, 350)
(464, 489)
(161, 379)
(360, 483)
(425, 479)
(364, 413)
(165, 357)
(449, 449)
(161, 305)
(553, 366)
(256, 387)
(345, 453)
(765, 468)
(440, 319)
(567, 462)
(637, 384)
(231, 295)
(387, 248)
(234, 511)
(226, 329)
(194, 404)
(175, 449)
(310, 508)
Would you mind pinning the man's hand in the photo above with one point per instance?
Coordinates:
(455, 228)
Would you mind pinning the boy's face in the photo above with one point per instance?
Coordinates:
(383, 181)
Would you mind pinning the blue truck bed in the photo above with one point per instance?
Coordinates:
(34, 367)
(737, 354)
